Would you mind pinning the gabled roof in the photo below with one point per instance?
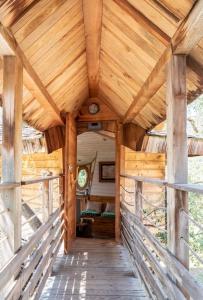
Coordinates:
(115, 50)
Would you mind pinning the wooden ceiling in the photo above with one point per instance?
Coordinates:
(79, 49)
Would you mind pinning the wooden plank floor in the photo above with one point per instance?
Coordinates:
(93, 270)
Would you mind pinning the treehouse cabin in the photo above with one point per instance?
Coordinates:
(95, 198)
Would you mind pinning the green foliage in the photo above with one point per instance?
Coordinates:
(195, 234)
(162, 236)
(195, 171)
(195, 117)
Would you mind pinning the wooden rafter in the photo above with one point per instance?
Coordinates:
(150, 87)
(93, 24)
(190, 31)
(180, 43)
(9, 46)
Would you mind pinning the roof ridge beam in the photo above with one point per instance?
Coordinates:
(93, 26)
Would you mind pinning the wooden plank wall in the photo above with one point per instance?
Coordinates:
(35, 165)
(147, 165)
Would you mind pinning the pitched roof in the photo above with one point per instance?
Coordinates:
(114, 50)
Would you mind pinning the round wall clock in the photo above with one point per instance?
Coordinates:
(93, 108)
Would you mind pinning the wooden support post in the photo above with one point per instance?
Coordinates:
(47, 190)
(61, 191)
(70, 157)
(51, 198)
(177, 157)
(122, 171)
(45, 200)
(138, 199)
(12, 147)
(118, 139)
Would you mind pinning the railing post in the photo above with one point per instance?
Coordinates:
(61, 191)
(45, 200)
(118, 139)
(166, 209)
(177, 157)
(51, 198)
(47, 196)
(138, 199)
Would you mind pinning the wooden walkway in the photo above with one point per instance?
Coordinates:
(93, 270)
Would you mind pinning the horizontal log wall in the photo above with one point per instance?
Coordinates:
(146, 165)
(36, 165)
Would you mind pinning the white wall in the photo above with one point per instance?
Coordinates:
(88, 144)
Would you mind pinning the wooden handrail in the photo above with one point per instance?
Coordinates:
(193, 188)
(39, 179)
(9, 185)
(188, 187)
(145, 179)
(14, 264)
(173, 267)
(41, 251)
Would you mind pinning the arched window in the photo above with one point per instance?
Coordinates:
(83, 177)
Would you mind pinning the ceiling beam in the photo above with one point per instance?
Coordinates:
(190, 31)
(9, 46)
(93, 25)
(153, 83)
(180, 43)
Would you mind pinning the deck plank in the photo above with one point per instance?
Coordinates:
(94, 270)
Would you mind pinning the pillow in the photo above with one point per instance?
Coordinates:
(87, 213)
(110, 207)
(95, 206)
(108, 214)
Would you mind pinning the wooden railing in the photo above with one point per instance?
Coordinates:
(46, 191)
(24, 275)
(163, 274)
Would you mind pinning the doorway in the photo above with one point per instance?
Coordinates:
(95, 186)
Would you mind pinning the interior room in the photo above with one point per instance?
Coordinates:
(95, 188)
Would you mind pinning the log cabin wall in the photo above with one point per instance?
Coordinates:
(36, 165)
(145, 165)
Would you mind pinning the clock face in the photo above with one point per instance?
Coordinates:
(93, 108)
